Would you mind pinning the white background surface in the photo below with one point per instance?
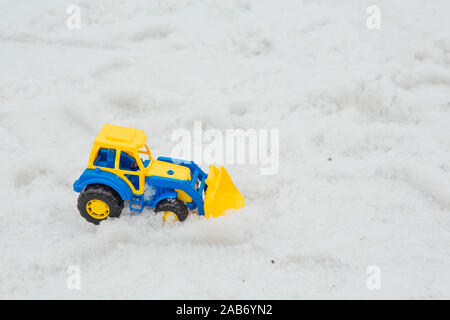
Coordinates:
(377, 102)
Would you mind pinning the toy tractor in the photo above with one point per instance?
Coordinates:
(117, 173)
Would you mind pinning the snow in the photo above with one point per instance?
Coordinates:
(363, 115)
(149, 192)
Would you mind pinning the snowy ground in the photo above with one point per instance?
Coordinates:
(364, 119)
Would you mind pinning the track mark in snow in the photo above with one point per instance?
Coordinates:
(126, 101)
(323, 261)
(152, 33)
(313, 26)
(26, 176)
(34, 40)
(110, 67)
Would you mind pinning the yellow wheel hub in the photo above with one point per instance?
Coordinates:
(97, 209)
(169, 216)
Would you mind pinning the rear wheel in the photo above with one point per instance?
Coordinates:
(97, 202)
(172, 209)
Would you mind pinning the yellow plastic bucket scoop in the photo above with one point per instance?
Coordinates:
(221, 193)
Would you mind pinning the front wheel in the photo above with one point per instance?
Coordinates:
(172, 209)
(98, 202)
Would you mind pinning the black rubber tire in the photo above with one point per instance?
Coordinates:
(176, 206)
(100, 192)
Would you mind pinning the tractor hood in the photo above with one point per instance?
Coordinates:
(167, 170)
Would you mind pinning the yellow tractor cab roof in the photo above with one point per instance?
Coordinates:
(112, 136)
